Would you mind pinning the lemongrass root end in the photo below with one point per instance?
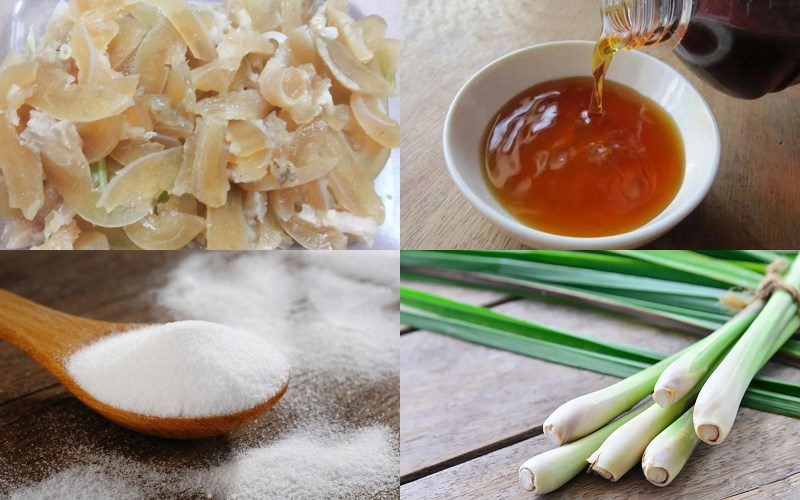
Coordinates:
(664, 396)
(709, 433)
(659, 476)
(602, 472)
(527, 479)
(553, 434)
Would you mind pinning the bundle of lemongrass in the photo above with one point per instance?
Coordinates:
(695, 393)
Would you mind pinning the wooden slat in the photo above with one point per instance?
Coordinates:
(448, 41)
(461, 399)
(457, 398)
(746, 464)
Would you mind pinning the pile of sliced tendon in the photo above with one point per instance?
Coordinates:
(155, 124)
(667, 405)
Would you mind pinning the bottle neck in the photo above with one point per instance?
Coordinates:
(646, 23)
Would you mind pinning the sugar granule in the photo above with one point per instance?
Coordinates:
(181, 369)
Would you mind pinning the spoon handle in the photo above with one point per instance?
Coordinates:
(41, 332)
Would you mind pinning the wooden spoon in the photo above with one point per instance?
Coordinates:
(50, 337)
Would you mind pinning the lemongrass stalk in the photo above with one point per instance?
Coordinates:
(685, 373)
(719, 400)
(582, 415)
(585, 414)
(552, 469)
(624, 447)
(666, 455)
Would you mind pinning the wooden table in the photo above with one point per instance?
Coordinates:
(753, 203)
(472, 415)
(44, 429)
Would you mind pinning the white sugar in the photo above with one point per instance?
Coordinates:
(301, 465)
(335, 316)
(323, 315)
(182, 369)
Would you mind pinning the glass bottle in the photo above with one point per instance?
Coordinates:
(746, 48)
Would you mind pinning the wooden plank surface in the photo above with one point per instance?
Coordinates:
(746, 466)
(753, 203)
(471, 415)
(43, 429)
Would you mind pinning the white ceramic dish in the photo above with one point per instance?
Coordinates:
(17, 17)
(485, 93)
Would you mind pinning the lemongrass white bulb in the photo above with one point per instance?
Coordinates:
(624, 447)
(666, 455)
(685, 373)
(552, 469)
(718, 402)
(585, 414)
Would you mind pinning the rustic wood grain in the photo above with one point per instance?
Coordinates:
(461, 401)
(458, 396)
(746, 466)
(44, 429)
(753, 203)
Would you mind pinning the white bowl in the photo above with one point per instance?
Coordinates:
(484, 94)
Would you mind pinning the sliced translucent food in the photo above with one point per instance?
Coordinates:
(370, 112)
(226, 227)
(213, 77)
(386, 57)
(243, 105)
(67, 169)
(246, 137)
(22, 172)
(157, 123)
(353, 188)
(100, 138)
(174, 226)
(351, 34)
(91, 240)
(349, 71)
(56, 96)
(289, 204)
(83, 197)
(291, 14)
(152, 56)
(140, 182)
(234, 47)
(21, 75)
(130, 150)
(94, 66)
(262, 16)
(179, 81)
(252, 168)
(187, 22)
(16, 86)
(131, 33)
(374, 31)
(209, 175)
(312, 153)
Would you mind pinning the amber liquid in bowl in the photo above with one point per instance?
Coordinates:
(558, 168)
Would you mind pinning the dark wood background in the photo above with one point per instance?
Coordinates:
(44, 429)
